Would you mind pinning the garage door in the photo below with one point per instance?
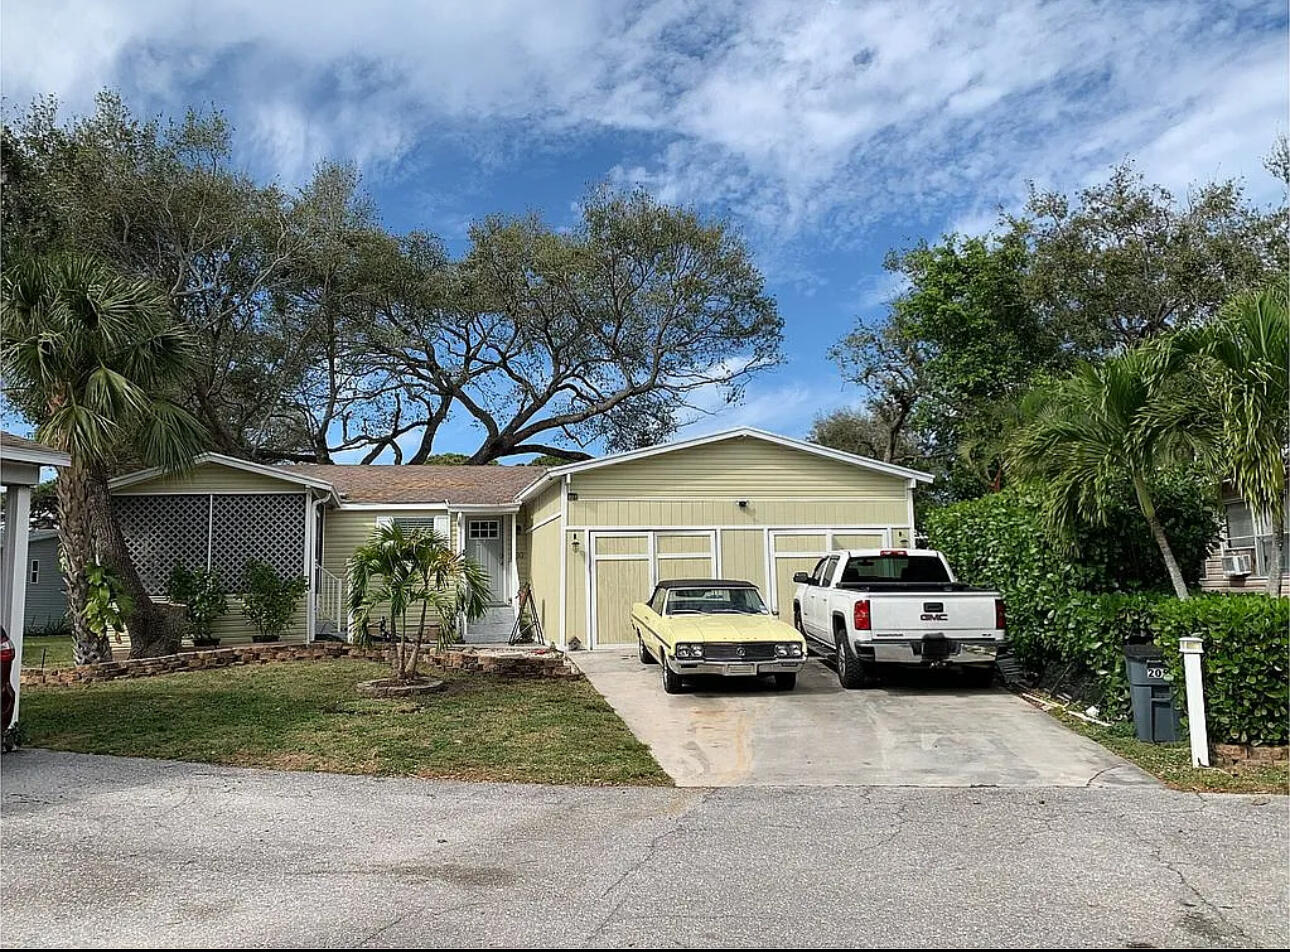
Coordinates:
(793, 551)
(625, 566)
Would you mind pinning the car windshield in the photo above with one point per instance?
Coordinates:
(714, 600)
(927, 569)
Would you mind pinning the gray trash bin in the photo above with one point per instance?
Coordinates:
(1155, 719)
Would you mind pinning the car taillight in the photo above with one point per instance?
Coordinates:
(1000, 614)
(7, 652)
(861, 615)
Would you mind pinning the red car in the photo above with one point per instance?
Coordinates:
(7, 697)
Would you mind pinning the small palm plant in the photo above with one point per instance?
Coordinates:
(401, 574)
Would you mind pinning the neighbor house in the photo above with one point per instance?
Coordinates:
(1240, 560)
(589, 538)
(46, 608)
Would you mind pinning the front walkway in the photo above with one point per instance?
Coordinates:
(108, 852)
(927, 731)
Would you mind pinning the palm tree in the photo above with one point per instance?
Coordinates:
(398, 572)
(1245, 356)
(91, 355)
(1122, 419)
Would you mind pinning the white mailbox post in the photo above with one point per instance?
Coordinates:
(1191, 650)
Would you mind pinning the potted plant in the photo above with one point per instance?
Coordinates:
(270, 599)
(410, 577)
(203, 598)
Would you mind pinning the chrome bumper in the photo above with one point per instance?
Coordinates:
(740, 669)
(910, 651)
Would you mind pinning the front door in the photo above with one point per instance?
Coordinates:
(486, 544)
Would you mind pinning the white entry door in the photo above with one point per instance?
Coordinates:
(486, 544)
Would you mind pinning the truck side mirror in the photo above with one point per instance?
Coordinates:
(802, 578)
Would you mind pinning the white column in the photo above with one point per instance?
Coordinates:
(514, 560)
(1191, 649)
(311, 576)
(13, 571)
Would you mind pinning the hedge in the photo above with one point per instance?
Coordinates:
(1246, 643)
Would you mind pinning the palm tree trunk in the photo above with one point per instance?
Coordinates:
(416, 648)
(76, 541)
(1277, 556)
(153, 632)
(1158, 533)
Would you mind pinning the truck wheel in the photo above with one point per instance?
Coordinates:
(645, 656)
(785, 680)
(852, 671)
(672, 683)
(797, 618)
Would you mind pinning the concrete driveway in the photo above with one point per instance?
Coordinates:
(107, 852)
(926, 730)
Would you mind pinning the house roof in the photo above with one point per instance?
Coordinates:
(22, 450)
(743, 432)
(232, 462)
(455, 485)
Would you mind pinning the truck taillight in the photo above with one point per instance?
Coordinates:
(1000, 614)
(892, 552)
(860, 615)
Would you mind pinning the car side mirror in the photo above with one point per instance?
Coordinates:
(802, 578)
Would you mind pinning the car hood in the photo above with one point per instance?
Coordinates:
(731, 628)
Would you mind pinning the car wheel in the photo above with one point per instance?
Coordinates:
(672, 682)
(852, 672)
(785, 680)
(645, 656)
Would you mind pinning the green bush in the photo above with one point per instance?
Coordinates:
(1247, 691)
(270, 599)
(202, 595)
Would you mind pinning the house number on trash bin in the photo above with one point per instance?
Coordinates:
(1155, 672)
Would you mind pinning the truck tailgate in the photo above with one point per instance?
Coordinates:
(956, 614)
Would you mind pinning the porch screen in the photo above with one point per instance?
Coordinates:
(220, 531)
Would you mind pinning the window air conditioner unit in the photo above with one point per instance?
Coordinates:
(1236, 565)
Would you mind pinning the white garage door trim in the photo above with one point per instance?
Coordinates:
(651, 554)
(773, 554)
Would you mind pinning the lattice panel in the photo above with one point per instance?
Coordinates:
(265, 526)
(161, 531)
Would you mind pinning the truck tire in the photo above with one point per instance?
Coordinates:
(852, 672)
(797, 619)
(785, 680)
(672, 683)
(643, 652)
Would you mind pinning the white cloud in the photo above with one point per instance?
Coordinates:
(824, 116)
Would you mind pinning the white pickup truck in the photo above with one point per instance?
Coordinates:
(873, 607)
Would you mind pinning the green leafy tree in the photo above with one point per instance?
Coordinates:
(270, 600)
(106, 608)
(865, 433)
(1109, 424)
(90, 357)
(405, 574)
(1245, 357)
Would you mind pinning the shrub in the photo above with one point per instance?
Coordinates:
(269, 599)
(1247, 694)
(202, 595)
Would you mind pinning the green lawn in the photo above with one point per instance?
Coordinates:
(1172, 762)
(307, 716)
(56, 650)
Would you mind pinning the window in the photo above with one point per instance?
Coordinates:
(714, 600)
(656, 602)
(865, 570)
(1248, 531)
(34, 577)
(437, 524)
(484, 529)
(830, 564)
(817, 573)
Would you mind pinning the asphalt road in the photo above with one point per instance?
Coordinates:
(919, 728)
(110, 852)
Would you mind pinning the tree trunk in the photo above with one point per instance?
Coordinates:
(416, 648)
(1277, 557)
(153, 631)
(1162, 540)
(76, 542)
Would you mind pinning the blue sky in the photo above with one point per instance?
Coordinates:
(825, 132)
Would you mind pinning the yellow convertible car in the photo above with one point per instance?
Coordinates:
(715, 626)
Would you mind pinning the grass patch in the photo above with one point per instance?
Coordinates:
(55, 649)
(1171, 763)
(308, 716)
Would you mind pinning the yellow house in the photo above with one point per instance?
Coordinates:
(589, 538)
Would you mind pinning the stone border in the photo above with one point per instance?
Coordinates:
(504, 662)
(1229, 755)
(383, 687)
